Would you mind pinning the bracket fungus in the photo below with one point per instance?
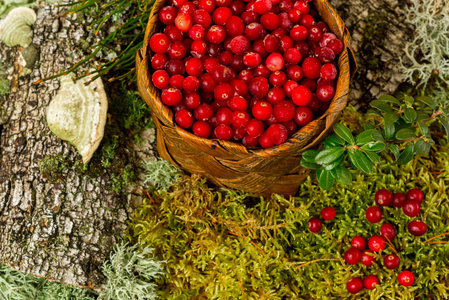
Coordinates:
(78, 114)
(16, 29)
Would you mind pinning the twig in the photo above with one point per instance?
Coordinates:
(438, 242)
(316, 260)
(390, 244)
(236, 234)
(436, 237)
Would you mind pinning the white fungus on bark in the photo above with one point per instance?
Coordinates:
(78, 112)
(16, 29)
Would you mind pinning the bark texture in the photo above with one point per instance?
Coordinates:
(55, 222)
(379, 33)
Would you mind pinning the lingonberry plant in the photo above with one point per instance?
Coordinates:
(398, 124)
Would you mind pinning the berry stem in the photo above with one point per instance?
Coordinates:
(436, 237)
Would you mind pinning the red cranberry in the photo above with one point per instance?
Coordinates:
(197, 32)
(406, 278)
(184, 118)
(171, 96)
(291, 126)
(328, 213)
(192, 100)
(254, 31)
(322, 26)
(276, 95)
(358, 242)
(284, 111)
(223, 93)
(307, 21)
(159, 43)
(203, 112)
(275, 62)
(225, 58)
(368, 257)
(417, 228)
(252, 59)
(265, 142)
(262, 6)
(202, 129)
(314, 104)
(285, 22)
(388, 231)
(289, 87)
(258, 87)
(278, 78)
(280, 33)
(326, 38)
(301, 95)
(250, 142)
(314, 225)
(262, 110)
(399, 199)
(173, 33)
(370, 282)
(178, 50)
(221, 3)
(294, 14)
(303, 48)
(270, 21)
(325, 93)
(376, 243)
(221, 15)
(240, 87)
(262, 70)
(216, 34)
(352, 256)
(302, 6)
(240, 119)
(223, 132)
(391, 261)
(237, 7)
(328, 72)
(309, 83)
(168, 14)
(207, 5)
(303, 115)
(292, 56)
(179, 3)
(160, 79)
(383, 197)
(336, 46)
(249, 17)
(354, 285)
(191, 84)
(246, 76)
(315, 34)
(239, 133)
(415, 194)
(272, 43)
(194, 67)
(259, 47)
(235, 26)
(207, 83)
(183, 21)
(325, 54)
(210, 63)
(222, 74)
(202, 17)
(254, 128)
(373, 214)
(411, 208)
(158, 61)
(187, 8)
(311, 67)
(237, 63)
(299, 33)
(240, 44)
(277, 133)
(285, 5)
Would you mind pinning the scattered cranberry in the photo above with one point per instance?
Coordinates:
(388, 231)
(370, 282)
(417, 228)
(373, 214)
(314, 225)
(359, 243)
(383, 197)
(376, 243)
(399, 199)
(391, 261)
(328, 213)
(354, 285)
(415, 194)
(368, 257)
(352, 256)
(406, 278)
(411, 208)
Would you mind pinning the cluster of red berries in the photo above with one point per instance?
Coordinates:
(328, 214)
(410, 203)
(252, 72)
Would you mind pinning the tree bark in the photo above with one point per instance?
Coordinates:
(61, 228)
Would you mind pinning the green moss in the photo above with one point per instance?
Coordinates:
(222, 244)
(52, 167)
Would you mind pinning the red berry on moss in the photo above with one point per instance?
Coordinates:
(411, 208)
(358, 242)
(373, 214)
(328, 213)
(368, 257)
(417, 228)
(376, 243)
(370, 282)
(383, 197)
(415, 194)
(352, 256)
(354, 285)
(314, 225)
(399, 199)
(406, 278)
(391, 261)
(388, 231)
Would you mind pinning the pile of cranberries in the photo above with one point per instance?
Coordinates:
(253, 71)
(362, 251)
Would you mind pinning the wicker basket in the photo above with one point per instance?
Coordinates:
(231, 165)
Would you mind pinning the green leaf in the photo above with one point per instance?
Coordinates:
(310, 155)
(327, 156)
(392, 117)
(344, 132)
(422, 116)
(389, 98)
(409, 100)
(343, 175)
(378, 136)
(419, 147)
(445, 124)
(333, 140)
(374, 146)
(389, 129)
(365, 137)
(381, 105)
(393, 148)
(360, 160)
(326, 181)
(373, 157)
(309, 165)
(368, 126)
(406, 156)
(424, 129)
(409, 114)
(427, 148)
(333, 173)
(428, 101)
(334, 163)
(405, 134)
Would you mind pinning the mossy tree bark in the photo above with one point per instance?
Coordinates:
(58, 218)
(379, 32)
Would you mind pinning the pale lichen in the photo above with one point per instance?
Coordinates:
(161, 173)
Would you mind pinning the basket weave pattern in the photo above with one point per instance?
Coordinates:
(231, 165)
